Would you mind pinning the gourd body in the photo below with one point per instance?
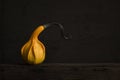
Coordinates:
(33, 52)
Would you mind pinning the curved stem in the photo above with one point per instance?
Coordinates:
(61, 27)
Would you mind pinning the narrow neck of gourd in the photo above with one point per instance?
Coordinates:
(36, 32)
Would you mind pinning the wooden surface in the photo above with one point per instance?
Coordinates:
(60, 72)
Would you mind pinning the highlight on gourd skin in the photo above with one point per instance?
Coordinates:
(33, 51)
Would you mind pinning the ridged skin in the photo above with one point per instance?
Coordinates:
(33, 52)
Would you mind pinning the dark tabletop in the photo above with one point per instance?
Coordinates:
(60, 71)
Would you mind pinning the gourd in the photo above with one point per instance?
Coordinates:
(33, 51)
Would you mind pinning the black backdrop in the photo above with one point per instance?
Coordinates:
(94, 25)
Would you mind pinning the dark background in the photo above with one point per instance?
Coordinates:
(94, 25)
